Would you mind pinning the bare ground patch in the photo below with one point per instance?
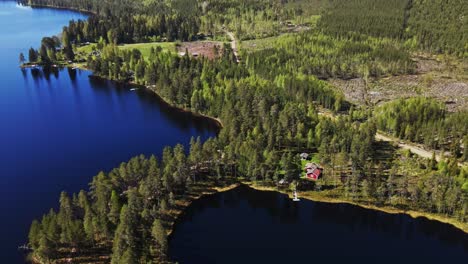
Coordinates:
(443, 79)
(208, 49)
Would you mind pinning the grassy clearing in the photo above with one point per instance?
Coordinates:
(145, 48)
(261, 44)
(86, 48)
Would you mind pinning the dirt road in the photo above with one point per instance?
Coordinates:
(416, 150)
(233, 44)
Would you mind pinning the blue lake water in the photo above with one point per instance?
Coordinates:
(58, 129)
(248, 226)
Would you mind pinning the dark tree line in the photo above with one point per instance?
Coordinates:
(378, 18)
(130, 28)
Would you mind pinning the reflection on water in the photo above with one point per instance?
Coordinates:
(183, 120)
(60, 128)
(248, 226)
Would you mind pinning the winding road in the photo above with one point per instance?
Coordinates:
(232, 37)
(414, 149)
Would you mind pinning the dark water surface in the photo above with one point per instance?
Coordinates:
(58, 129)
(248, 226)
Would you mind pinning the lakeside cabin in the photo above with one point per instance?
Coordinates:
(312, 171)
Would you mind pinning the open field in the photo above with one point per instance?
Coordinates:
(145, 48)
(209, 49)
(259, 44)
(86, 49)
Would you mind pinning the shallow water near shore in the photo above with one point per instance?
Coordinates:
(58, 127)
(249, 226)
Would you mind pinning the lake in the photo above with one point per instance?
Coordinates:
(60, 128)
(248, 226)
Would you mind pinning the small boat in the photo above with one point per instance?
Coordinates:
(133, 89)
(295, 199)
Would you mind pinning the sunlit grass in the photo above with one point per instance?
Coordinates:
(145, 48)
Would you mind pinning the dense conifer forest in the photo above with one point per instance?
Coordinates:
(434, 25)
(274, 104)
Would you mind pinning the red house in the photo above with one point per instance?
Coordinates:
(312, 171)
(313, 174)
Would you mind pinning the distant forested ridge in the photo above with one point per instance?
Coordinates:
(433, 25)
(379, 18)
(439, 25)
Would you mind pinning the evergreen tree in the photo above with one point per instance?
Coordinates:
(65, 218)
(127, 237)
(33, 55)
(35, 234)
(159, 235)
(22, 59)
(44, 250)
(115, 206)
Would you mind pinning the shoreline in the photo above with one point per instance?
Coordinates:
(215, 120)
(305, 195)
(317, 197)
(163, 100)
(87, 12)
(186, 202)
(202, 190)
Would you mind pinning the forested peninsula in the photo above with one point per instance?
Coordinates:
(280, 89)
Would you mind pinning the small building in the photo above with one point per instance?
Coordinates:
(283, 182)
(313, 174)
(310, 166)
(312, 171)
(304, 156)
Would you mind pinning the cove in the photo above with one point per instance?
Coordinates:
(59, 128)
(249, 226)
